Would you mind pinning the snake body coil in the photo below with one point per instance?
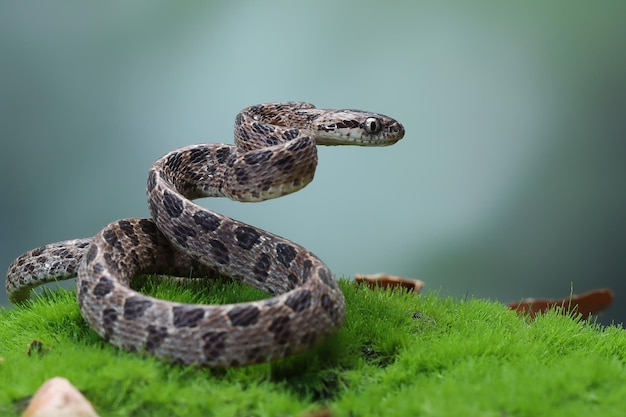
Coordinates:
(274, 154)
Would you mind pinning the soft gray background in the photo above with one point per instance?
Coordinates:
(509, 182)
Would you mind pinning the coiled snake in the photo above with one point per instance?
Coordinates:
(275, 154)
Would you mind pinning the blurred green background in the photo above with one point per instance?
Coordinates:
(508, 183)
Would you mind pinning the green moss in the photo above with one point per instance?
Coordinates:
(397, 354)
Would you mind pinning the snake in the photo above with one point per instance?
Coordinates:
(275, 154)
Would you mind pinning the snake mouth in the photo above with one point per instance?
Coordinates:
(333, 136)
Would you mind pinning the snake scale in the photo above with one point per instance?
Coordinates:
(274, 154)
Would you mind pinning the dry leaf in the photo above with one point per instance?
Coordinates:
(586, 304)
(389, 281)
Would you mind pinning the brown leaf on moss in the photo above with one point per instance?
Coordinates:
(389, 281)
(586, 304)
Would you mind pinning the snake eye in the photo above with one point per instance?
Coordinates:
(372, 125)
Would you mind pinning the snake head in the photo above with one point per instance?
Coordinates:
(356, 127)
